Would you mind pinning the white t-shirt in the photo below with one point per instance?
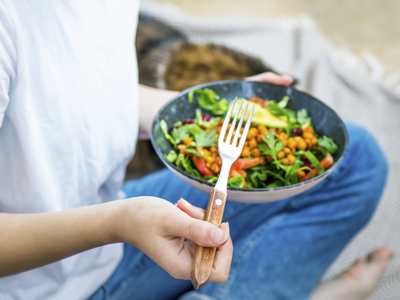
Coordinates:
(69, 124)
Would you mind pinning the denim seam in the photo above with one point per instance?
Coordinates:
(222, 289)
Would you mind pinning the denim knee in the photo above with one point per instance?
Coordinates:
(368, 164)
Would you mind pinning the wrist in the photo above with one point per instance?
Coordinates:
(122, 222)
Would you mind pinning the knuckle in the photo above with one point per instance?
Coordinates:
(221, 277)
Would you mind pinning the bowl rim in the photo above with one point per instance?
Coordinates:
(229, 188)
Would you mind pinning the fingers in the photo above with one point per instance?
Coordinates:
(271, 78)
(203, 233)
(378, 259)
(193, 211)
(223, 259)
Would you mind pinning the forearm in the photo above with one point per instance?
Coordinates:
(33, 240)
(151, 100)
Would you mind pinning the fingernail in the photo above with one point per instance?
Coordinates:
(186, 202)
(219, 236)
(227, 228)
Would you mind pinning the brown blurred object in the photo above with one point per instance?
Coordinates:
(357, 25)
(144, 162)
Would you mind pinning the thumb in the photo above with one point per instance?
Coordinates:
(200, 232)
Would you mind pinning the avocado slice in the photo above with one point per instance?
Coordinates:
(261, 115)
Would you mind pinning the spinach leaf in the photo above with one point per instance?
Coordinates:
(207, 99)
(303, 119)
(236, 181)
(315, 162)
(211, 179)
(328, 144)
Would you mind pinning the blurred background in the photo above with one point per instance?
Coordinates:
(369, 29)
(361, 26)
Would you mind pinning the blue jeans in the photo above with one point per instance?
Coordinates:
(281, 249)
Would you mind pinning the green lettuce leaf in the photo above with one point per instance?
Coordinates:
(172, 156)
(164, 128)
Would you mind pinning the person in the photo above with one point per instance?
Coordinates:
(69, 118)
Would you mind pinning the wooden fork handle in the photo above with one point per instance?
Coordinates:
(204, 258)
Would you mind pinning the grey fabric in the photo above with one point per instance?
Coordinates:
(295, 47)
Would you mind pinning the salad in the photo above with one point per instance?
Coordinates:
(281, 147)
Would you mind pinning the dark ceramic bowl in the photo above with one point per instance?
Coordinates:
(325, 121)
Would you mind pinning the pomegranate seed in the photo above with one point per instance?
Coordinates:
(304, 158)
(206, 118)
(188, 121)
(297, 131)
(173, 127)
(308, 164)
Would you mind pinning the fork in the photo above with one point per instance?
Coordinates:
(229, 153)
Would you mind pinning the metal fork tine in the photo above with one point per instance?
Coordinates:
(246, 128)
(226, 122)
(240, 125)
(228, 139)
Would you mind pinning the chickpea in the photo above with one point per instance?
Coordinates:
(219, 129)
(259, 138)
(187, 140)
(213, 149)
(262, 128)
(285, 161)
(273, 130)
(245, 152)
(300, 175)
(309, 143)
(314, 141)
(255, 130)
(269, 158)
(308, 129)
(208, 165)
(280, 155)
(262, 160)
(292, 144)
(210, 159)
(301, 145)
(255, 152)
(282, 136)
(252, 143)
(279, 131)
(284, 143)
(244, 184)
(241, 130)
(287, 151)
(215, 168)
(291, 158)
(308, 135)
(209, 128)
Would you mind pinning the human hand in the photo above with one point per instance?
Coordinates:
(169, 235)
(271, 78)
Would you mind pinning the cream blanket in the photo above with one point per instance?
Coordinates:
(295, 47)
